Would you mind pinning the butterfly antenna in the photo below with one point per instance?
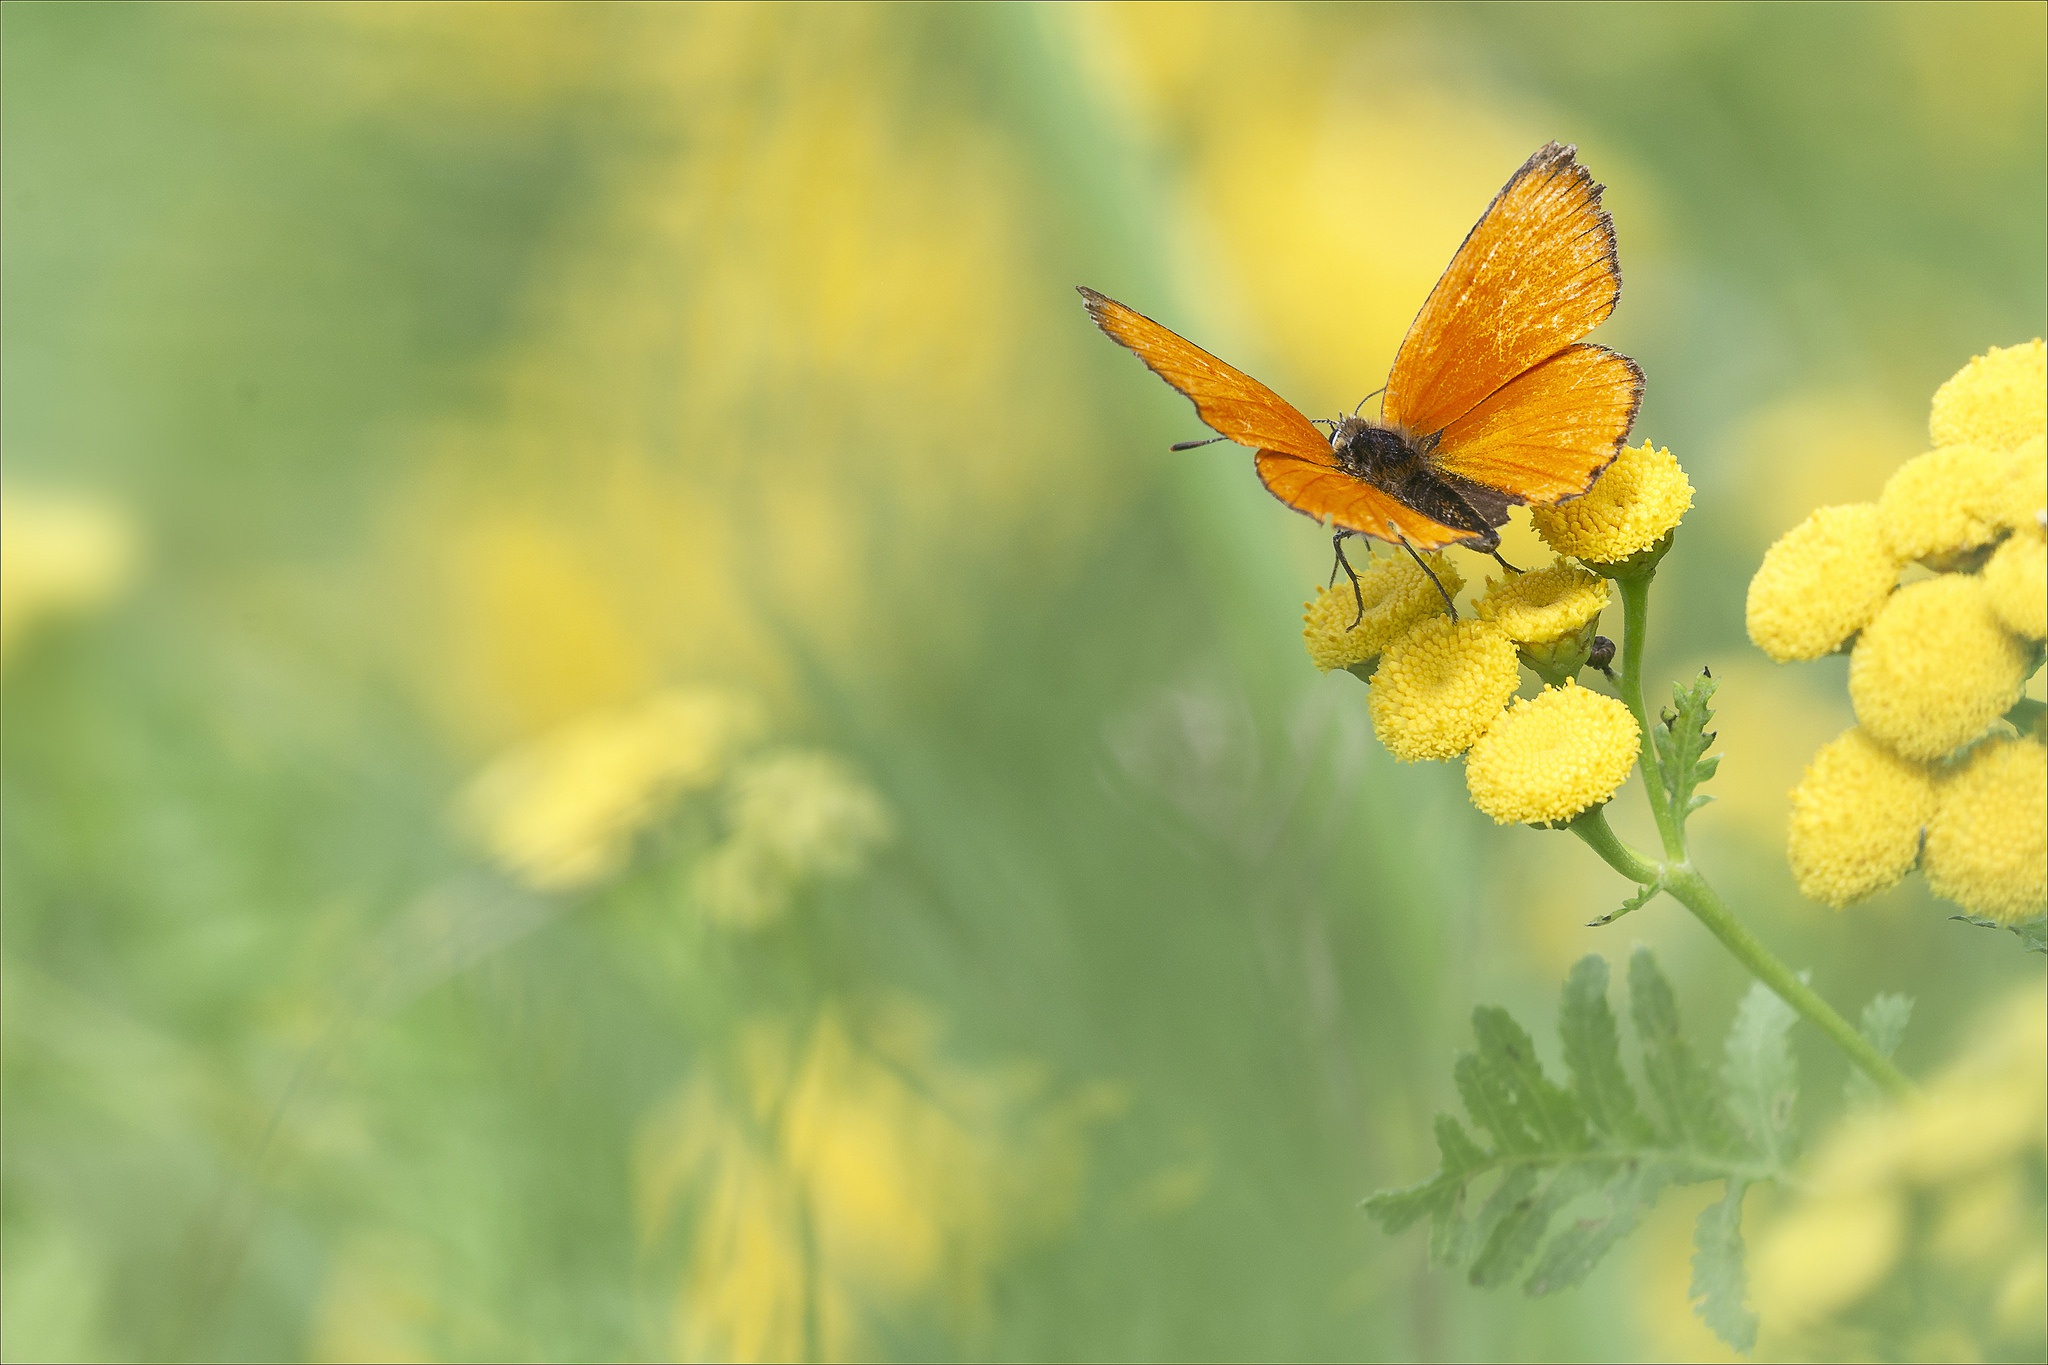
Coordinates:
(1194, 445)
(1426, 569)
(1368, 398)
(1337, 544)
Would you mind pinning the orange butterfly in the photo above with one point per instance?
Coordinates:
(1493, 399)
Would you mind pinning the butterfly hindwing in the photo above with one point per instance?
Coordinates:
(1231, 402)
(1547, 434)
(1336, 498)
(1537, 272)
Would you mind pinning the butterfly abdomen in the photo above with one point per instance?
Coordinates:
(1387, 459)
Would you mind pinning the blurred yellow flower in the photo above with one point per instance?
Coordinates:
(1987, 845)
(1636, 503)
(562, 811)
(1944, 502)
(1823, 581)
(58, 555)
(1936, 669)
(1961, 1161)
(1544, 604)
(2026, 487)
(1998, 400)
(2016, 581)
(847, 1173)
(1857, 815)
(793, 816)
(1440, 685)
(1397, 594)
(1551, 757)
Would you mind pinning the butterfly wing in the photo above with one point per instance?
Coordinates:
(1536, 273)
(1545, 435)
(1336, 498)
(1231, 402)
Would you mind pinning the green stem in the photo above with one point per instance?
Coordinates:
(1692, 891)
(1592, 827)
(1635, 607)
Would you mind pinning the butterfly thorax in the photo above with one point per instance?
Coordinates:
(1388, 458)
(1372, 452)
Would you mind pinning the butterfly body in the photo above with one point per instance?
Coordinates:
(1493, 400)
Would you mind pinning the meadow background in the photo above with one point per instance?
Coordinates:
(621, 739)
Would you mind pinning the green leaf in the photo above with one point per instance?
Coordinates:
(1682, 748)
(1641, 898)
(1547, 1149)
(2033, 933)
(1884, 1024)
(1720, 1285)
(1592, 1052)
(1757, 1072)
(1683, 1089)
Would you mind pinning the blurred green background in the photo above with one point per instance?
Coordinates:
(1013, 947)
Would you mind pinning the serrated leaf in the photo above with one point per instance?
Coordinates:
(1683, 760)
(1884, 1023)
(1549, 1116)
(1720, 1283)
(1592, 1052)
(1642, 897)
(2032, 934)
(1574, 1252)
(1683, 1089)
(1758, 1076)
(1522, 1227)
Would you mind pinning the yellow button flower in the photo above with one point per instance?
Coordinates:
(2016, 580)
(1856, 819)
(1823, 581)
(1440, 685)
(1397, 594)
(1544, 604)
(1997, 400)
(1945, 501)
(1936, 669)
(1635, 504)
(1552, 757)
(2026, 486)
(1987, 846)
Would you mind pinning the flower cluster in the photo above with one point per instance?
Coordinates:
(1930, 775)
(1442, 687)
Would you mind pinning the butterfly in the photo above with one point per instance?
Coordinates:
(1493, 400)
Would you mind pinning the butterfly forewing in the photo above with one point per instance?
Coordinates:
(1230, 401)
(1536, 273)
(1547, 434)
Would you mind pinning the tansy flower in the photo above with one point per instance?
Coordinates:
(795, 817)
(1936, 668)
(2016, 581)
(1945, 501)
(1552, 757)
(1823, 581)
(1397, 594)
(1440, 685)
(1987, 846)
(1544, 604)
(1635, 504)
(1856, 819)
(562, 811)
(1997, 400)
(2026, 487)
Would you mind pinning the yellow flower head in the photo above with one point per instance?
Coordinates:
(1936, 669)
(2026, 487)
(1945, 501)
(1987, 846)
(1635, 504)
(1440, 685)
(1552, 757)
(58, 555)
(562, 811)
(1545, 604)
(1397, 594)
(2016, 581)
(1997, 400)
(1822, 582)
(1856, 819)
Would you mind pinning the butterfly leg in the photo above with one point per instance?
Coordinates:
(1337, 544)
(1504, 564)
(1453, 606)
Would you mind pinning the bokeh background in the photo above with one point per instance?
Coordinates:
(621, 740)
